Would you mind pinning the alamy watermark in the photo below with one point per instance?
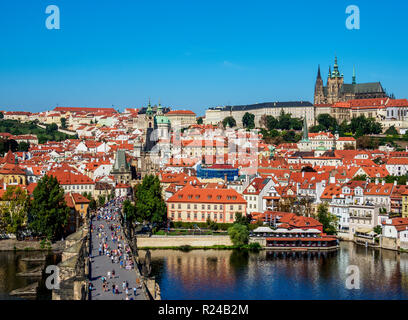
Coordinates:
(53, 281)
(353, 279)
(53, 20)
(353, 20)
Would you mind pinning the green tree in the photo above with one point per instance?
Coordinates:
(378, 229)
(360, 177)
(248, 120)
(49, 213)
(272, 123)
(23, 146)
(51, 128)
(129, 211)
(289, 136)
(101, 200)
(239, 234)
(1, 115)
(242, 219)
(230, 121)
(327, 122)
(329, 221)
(200, 120)
(150, 205)
(284, 121)
(14, 209)
(391, 131)
(63, 123)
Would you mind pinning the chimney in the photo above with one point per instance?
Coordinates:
(376, 180)
(303, 174)
(383, 182)
(395, 182)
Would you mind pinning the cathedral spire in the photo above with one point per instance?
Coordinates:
(330, 75)
(354, 75)
(318, 73)
(336, 72)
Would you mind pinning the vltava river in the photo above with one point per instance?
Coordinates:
(226, 274)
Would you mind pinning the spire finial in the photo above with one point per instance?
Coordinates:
(318, 72)
(354, 75)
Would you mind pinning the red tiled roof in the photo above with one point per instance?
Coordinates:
(207, 195)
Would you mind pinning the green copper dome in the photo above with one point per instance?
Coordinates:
(161, 120)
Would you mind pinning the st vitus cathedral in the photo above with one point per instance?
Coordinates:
(336, 90)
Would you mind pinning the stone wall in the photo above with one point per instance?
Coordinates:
(389, 243)
(177, 241)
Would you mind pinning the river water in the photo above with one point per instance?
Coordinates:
(227, 274)
(11, 263)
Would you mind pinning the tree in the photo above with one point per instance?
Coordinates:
(129, 211)
(349, 146)
(327, 122)
(378, 229)
(13, 209)
(51, 128)
(241, 219)
(391, 131)
(284, 121)
(329, 221)
(271, 123)
(49, 213)
(200, 120)
(1, 115)
(362, 125)
(23, 146)
(101, 200)
(150, 205)
(289, 136)
(63, 123)
(360, 177)
(239, 234)
(366, 142)
(248, 120)
(230, 121)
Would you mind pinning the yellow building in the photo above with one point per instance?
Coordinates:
(10, 172)
(79, 206)
(405, 204)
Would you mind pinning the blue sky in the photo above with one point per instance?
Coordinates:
(192, 54)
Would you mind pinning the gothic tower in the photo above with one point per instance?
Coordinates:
(319, 97)
(334, 83)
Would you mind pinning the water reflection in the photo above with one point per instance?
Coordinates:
(226, 274)
(12, 263)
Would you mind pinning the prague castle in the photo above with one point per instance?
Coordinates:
(336, 90)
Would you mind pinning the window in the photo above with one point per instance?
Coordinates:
(195, 215)
(231, 207)
(179, 215)
(209, 207)
(188, 206)
(195, 207)
(179, 206)
(215, 207)
(172, 205)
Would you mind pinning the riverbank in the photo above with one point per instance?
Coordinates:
(15, 245)
(172, 242)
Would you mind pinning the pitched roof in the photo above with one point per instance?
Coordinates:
(207, 195)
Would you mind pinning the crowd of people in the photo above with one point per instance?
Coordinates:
(113, 246)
